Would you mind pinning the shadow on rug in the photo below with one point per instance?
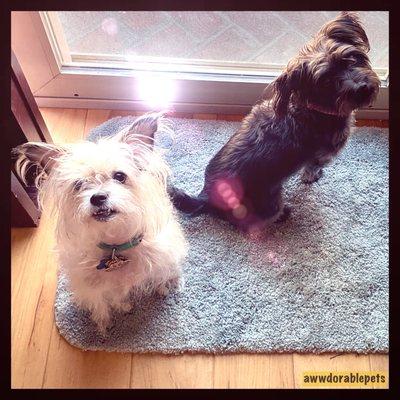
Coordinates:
(316, 283)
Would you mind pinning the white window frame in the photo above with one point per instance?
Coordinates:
(60, 79)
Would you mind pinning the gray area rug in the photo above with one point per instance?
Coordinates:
(316, 283)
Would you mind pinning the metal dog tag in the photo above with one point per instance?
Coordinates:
(113, 262)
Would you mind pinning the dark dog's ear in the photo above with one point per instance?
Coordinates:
(44, 155)
(350, 16)
(347, 28)
(283, 87)
(282, 90)
(142, 129)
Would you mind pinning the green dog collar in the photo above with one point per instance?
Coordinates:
(121, 247)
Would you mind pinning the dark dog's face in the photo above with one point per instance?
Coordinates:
(332, 71)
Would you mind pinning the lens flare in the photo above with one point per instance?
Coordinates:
(156, 92)
(227, 193)
(222, 187)
(233, 202)
(240, 211)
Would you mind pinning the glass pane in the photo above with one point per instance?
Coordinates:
(259, 38)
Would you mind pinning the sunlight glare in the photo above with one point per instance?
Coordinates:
(156, 92)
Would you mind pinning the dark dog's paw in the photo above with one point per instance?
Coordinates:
(311, 176)
(284, 215)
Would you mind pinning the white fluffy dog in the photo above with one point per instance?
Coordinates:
(116, 229)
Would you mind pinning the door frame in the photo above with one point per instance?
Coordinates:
(55, 83)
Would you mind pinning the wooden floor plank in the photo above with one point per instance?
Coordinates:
(65, 125)
(204, 116)
(379, 363)
(21, 238)
(70, 367)
(32, 303)
(379, 123)
(95, 118)
(253, 371)
(230, 117)
(162, 371)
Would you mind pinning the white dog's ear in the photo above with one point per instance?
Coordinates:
(143, 129)
(44, 155)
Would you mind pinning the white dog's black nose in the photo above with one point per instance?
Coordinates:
(98, 199)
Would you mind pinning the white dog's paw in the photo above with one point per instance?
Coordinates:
(102, 326)
(101, 316)
(163, 290)
(125, 306)
(180, 284)
(311, 175)
(173, 284)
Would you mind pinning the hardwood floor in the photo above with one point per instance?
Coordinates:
(41, 358)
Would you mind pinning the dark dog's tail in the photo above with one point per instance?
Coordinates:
(186, 203)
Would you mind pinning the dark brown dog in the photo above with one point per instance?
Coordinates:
(304, 126)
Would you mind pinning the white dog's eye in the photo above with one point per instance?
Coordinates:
(78, 184)
(119, 176)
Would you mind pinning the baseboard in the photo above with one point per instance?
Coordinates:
(106, 104)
